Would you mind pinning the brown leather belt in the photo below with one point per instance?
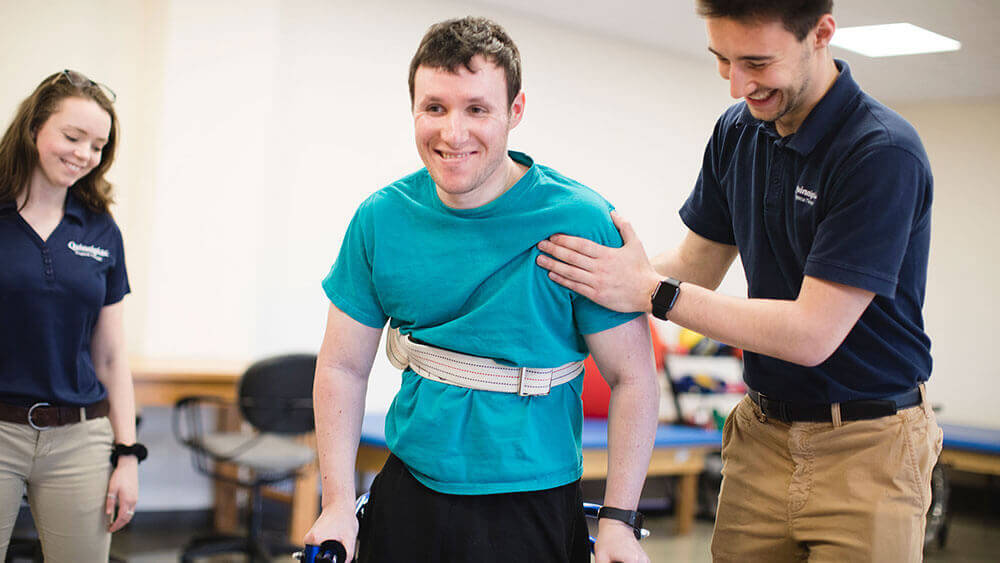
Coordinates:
(44, 415)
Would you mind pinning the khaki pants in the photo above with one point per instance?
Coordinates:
(66, 470)
(813, 491)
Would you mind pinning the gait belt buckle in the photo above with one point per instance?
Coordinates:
(522, 384)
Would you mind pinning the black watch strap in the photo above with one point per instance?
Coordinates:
(138, 450)
(631, 517)
(664, 297)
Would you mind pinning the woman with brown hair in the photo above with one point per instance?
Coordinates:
(67, 408)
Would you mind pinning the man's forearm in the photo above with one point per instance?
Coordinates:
(765, 326)
(631, 430)
(805, 331)
(697, 260)
(339, 404)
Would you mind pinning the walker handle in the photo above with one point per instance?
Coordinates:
(330, 551)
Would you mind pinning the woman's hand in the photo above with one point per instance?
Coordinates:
(123, 493)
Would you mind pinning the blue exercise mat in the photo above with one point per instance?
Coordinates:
(595, 434)
(971, 438)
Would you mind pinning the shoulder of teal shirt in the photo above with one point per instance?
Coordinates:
(348, 284)
(591, 212)
(586, 213)
(408, 189)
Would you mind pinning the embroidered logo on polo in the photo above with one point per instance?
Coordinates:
(95, 252)
(805, 195)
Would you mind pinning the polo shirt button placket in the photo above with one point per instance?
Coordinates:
(772, 193)
(47, 261)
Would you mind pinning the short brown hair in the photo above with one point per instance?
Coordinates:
(455, 42)
(797, 16)
(19, 152)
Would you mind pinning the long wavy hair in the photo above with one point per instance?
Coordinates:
(19, 152)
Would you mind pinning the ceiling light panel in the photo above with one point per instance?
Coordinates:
(891, 40)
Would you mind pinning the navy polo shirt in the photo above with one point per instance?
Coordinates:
(51, 293)
(846, 198)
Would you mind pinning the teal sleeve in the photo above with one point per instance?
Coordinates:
(589, 316)
(350, 285)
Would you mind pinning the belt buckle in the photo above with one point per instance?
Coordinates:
(522, 387)
(31, 411)
(765, 405)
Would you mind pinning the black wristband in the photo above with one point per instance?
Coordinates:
(631, 517)
(138, 450)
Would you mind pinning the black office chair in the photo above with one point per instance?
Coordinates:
(275, 398)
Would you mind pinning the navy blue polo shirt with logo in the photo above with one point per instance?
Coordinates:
(51, 293)
(846, 198)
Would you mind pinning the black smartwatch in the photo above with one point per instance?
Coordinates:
(631, 517)
(664, 297)
(138, 450)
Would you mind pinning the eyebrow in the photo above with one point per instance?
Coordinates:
(753, 58)
(476, 100)
(85, 132)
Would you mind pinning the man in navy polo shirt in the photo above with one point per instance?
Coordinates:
(825, 194)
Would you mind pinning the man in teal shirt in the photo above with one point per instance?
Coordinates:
(446, 256)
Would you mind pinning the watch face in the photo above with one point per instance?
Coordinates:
(664, 297)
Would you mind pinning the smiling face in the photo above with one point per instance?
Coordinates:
(70, 142)
(780, 77)
(461, 121)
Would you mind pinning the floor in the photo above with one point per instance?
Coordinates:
(974, 532)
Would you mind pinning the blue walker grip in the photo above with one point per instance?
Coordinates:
(331, 551)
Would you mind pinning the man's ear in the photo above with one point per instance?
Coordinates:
(825, 28)
(516, 110)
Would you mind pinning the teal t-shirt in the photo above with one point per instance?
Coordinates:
(466, 280)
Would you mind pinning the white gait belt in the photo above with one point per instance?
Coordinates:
(473, 372)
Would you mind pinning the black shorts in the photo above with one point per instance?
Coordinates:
(406, 522)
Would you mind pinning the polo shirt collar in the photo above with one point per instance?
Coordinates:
(74, 207)
(827, 113)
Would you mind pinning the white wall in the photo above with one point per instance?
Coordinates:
(253, 129)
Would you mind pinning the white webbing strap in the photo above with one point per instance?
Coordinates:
(473, 372)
